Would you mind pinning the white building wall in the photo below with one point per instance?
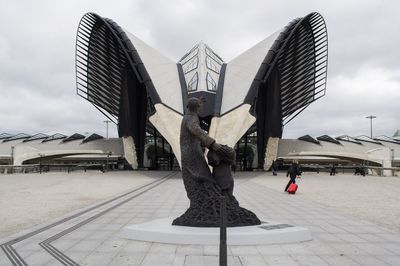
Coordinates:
(366, 152)
(24, 151)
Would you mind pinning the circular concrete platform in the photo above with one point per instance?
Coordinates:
(162, 231)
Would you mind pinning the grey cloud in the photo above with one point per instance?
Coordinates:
(37, 40)
(344, 108)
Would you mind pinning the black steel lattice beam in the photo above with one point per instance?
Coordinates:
(291, 77)
(111, 75)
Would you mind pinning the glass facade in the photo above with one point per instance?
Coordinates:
(211, 66)
(214, 56)
(191, 65)
(211, 85)
(246, 151)
(192, 85)
(190, 55)
(158, 152)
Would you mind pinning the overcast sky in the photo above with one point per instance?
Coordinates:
(37, 44)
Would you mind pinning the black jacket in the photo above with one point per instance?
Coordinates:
(294, 171)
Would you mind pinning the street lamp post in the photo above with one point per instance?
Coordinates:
(107, 121)
(107, 162)
(370, 118)
(40, 162)
(12, 155)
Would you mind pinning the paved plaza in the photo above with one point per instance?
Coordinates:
(92, 235)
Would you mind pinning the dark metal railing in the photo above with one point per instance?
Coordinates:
(223, 253)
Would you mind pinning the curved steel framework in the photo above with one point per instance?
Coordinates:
(303, 66)
(100, 63)
(111, 75)
(291, 77)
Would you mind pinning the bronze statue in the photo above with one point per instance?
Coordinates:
(203, 188)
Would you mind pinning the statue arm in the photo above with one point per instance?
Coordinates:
(194, 128)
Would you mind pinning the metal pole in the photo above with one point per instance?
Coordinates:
(245, 152)
(370, 118)
(107, 121)
(171, 159)
(108, 156)
(223, 259)
(12, 155)
(392, 161)
(155, 149)
(40, 164)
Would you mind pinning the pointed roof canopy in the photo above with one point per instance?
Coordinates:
(328, 139)
(367, 139)
(17, 137)
(54, 137)
(5, 136)
(308, 138)
(75, 136)
(36, 137)
(91, 137)
(201, 68)
(348, 138)
(387, 139)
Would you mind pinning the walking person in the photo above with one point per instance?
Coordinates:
(333, 170)
(293, 172)
(274, 167)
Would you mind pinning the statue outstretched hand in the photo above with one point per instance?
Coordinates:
(224, 151)
(215, 146)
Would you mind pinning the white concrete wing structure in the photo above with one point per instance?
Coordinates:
(241, 71)
(163, 73)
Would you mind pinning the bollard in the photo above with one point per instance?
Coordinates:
(223, 260)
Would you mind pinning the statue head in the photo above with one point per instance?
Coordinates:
(194, 105)
(225, 155)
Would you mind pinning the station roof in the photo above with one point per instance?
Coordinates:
(54, 137)
(75, 136)
(92, 137)
(5, 136)
(36, 137)
(387, 139)
(348, 139)
(309, 139)
(17, 137)
(328, 139)
(367, 139)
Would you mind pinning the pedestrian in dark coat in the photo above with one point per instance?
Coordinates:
(274, 167)
(333, 170)
(293, 172)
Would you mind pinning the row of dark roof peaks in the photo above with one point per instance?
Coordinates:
(5, 137)
(357, 140)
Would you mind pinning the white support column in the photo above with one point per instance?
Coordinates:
(168, 123)
(130, 151)
(271, 152)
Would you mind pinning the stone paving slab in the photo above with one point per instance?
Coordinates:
(93, 238)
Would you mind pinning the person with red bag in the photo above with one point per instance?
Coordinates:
(293, 172)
